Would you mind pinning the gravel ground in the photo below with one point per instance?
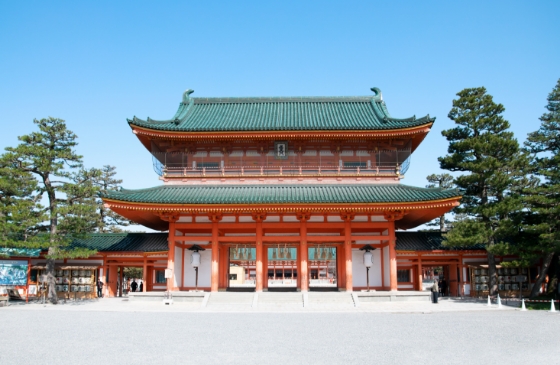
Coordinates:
(44, 336)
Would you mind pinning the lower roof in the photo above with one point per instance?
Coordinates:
(157, 242)
(279, 194)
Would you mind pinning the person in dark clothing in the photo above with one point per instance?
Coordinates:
(443, 288)
(435, 292)
(133, 286)
(99, 288)
(141, 288)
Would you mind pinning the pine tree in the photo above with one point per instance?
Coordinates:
(444, 181)
(49, 156)
(542, 223)
(486, 152)
(20, 210)
(107, 220)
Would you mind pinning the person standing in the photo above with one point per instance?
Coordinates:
(99, 288)
(134, 285)
(435, 292)
(443, 287)
(141, 289)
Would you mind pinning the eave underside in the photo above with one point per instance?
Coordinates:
(406, 215)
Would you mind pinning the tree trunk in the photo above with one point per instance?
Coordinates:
(442, 223)
(51, 280)
(52, 294)
(544, 270)
(493, 274)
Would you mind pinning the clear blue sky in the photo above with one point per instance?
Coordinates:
(95, 64)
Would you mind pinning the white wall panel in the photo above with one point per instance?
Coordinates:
(204, 270)
(359, 270)
(178, 265)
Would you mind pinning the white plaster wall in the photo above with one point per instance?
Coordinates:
(359, 270)
(178, 265)
(386, 267)
(204, 270)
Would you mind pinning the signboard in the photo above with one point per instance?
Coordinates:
(13, 272)
(281, 150)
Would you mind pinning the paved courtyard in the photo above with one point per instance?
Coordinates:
(114, 331)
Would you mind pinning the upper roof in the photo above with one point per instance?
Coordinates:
(157, 242)
(279, 194)
(281, 114)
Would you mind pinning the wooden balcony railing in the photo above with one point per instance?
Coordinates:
(247, 171)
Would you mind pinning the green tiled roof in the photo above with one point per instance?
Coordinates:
(426, 241)
(281, 114)
(157, 242)
(139, 242)
(279, 194)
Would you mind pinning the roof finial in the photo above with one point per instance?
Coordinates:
(186, 96)
(378, 95)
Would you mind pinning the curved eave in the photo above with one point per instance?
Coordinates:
(416, 213)
(417, 133)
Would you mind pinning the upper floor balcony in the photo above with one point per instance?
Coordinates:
(214, 164)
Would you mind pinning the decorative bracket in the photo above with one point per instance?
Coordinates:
(303, 215)
(259, 215)
(347, 215)
(394, 215)
(170, 217)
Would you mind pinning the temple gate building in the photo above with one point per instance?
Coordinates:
(283, 192)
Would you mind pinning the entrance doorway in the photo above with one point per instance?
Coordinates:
(322, 267)
(282, 268)
(242, 267)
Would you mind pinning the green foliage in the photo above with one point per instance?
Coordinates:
(443, 181)
(541, 220)
(20, 211)
(107, 220)
(48, 155)
(133, 272)
(483, 149)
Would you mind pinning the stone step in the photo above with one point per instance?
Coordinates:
(280, 298)
(231, 298)
(331, 298)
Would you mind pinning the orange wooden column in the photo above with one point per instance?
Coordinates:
(112, 281)
(259, 217)
(304, 251)
(347, 217)
(121, 277)
(392, 257)
(171, 256)
(105, 278)
(215, 275)
(453, 284)
(145, 275)
(419, 274)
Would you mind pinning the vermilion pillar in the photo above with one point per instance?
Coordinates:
(214, 281)
(304, 253)
(259, 252)
(348, 253)
(171, 256)
(145, 275)
(453, 282)
(393, 261)
(112, 281)
(419, 274)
